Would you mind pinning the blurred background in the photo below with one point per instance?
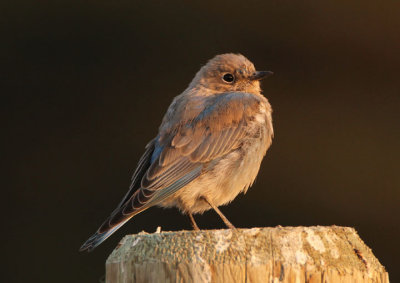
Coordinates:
(86, 84)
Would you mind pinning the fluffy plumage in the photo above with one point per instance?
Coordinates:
(209, 147)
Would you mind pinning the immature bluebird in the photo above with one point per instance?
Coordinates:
(208, 149)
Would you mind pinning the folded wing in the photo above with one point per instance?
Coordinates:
(182, 153)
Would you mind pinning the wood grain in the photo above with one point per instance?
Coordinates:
(280, 254)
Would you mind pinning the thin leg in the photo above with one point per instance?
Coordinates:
(194, 225)
(226, 221)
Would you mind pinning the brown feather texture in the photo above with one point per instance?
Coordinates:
(208, 149)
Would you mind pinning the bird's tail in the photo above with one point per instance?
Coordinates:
(141, 200)
(118, 218)
(99, 237)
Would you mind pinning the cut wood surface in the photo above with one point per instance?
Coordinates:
(280, 254)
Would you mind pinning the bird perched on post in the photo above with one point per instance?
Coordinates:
(208, 149)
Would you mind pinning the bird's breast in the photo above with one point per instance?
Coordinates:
(232, 173)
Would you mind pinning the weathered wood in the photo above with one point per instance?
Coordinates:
(280, 254)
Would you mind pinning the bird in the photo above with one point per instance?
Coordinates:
(208, 149)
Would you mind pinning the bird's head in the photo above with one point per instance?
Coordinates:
(229, 73)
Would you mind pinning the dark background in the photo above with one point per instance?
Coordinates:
(87, 83)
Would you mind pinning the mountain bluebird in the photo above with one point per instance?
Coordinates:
(208, 149)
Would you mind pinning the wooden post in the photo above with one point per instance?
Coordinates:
(280, 254)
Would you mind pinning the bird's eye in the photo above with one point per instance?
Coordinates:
(228, 78)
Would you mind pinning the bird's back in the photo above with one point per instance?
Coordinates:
(219, 117)
(208, 149)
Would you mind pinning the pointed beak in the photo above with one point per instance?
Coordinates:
(259, 75)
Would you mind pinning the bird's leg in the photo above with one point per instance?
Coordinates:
(226, 221)
(194, 225)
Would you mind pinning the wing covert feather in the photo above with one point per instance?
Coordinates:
(182, 152)
(195, 141)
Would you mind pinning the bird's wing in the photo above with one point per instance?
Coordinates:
(182, 153)
(140, 171)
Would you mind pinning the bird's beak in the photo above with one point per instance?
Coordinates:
(259, 75)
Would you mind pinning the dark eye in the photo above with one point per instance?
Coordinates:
(228, 78)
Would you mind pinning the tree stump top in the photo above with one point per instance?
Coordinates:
(258, 253)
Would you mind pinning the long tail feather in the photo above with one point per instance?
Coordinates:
(140, 201)
(99, 237)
